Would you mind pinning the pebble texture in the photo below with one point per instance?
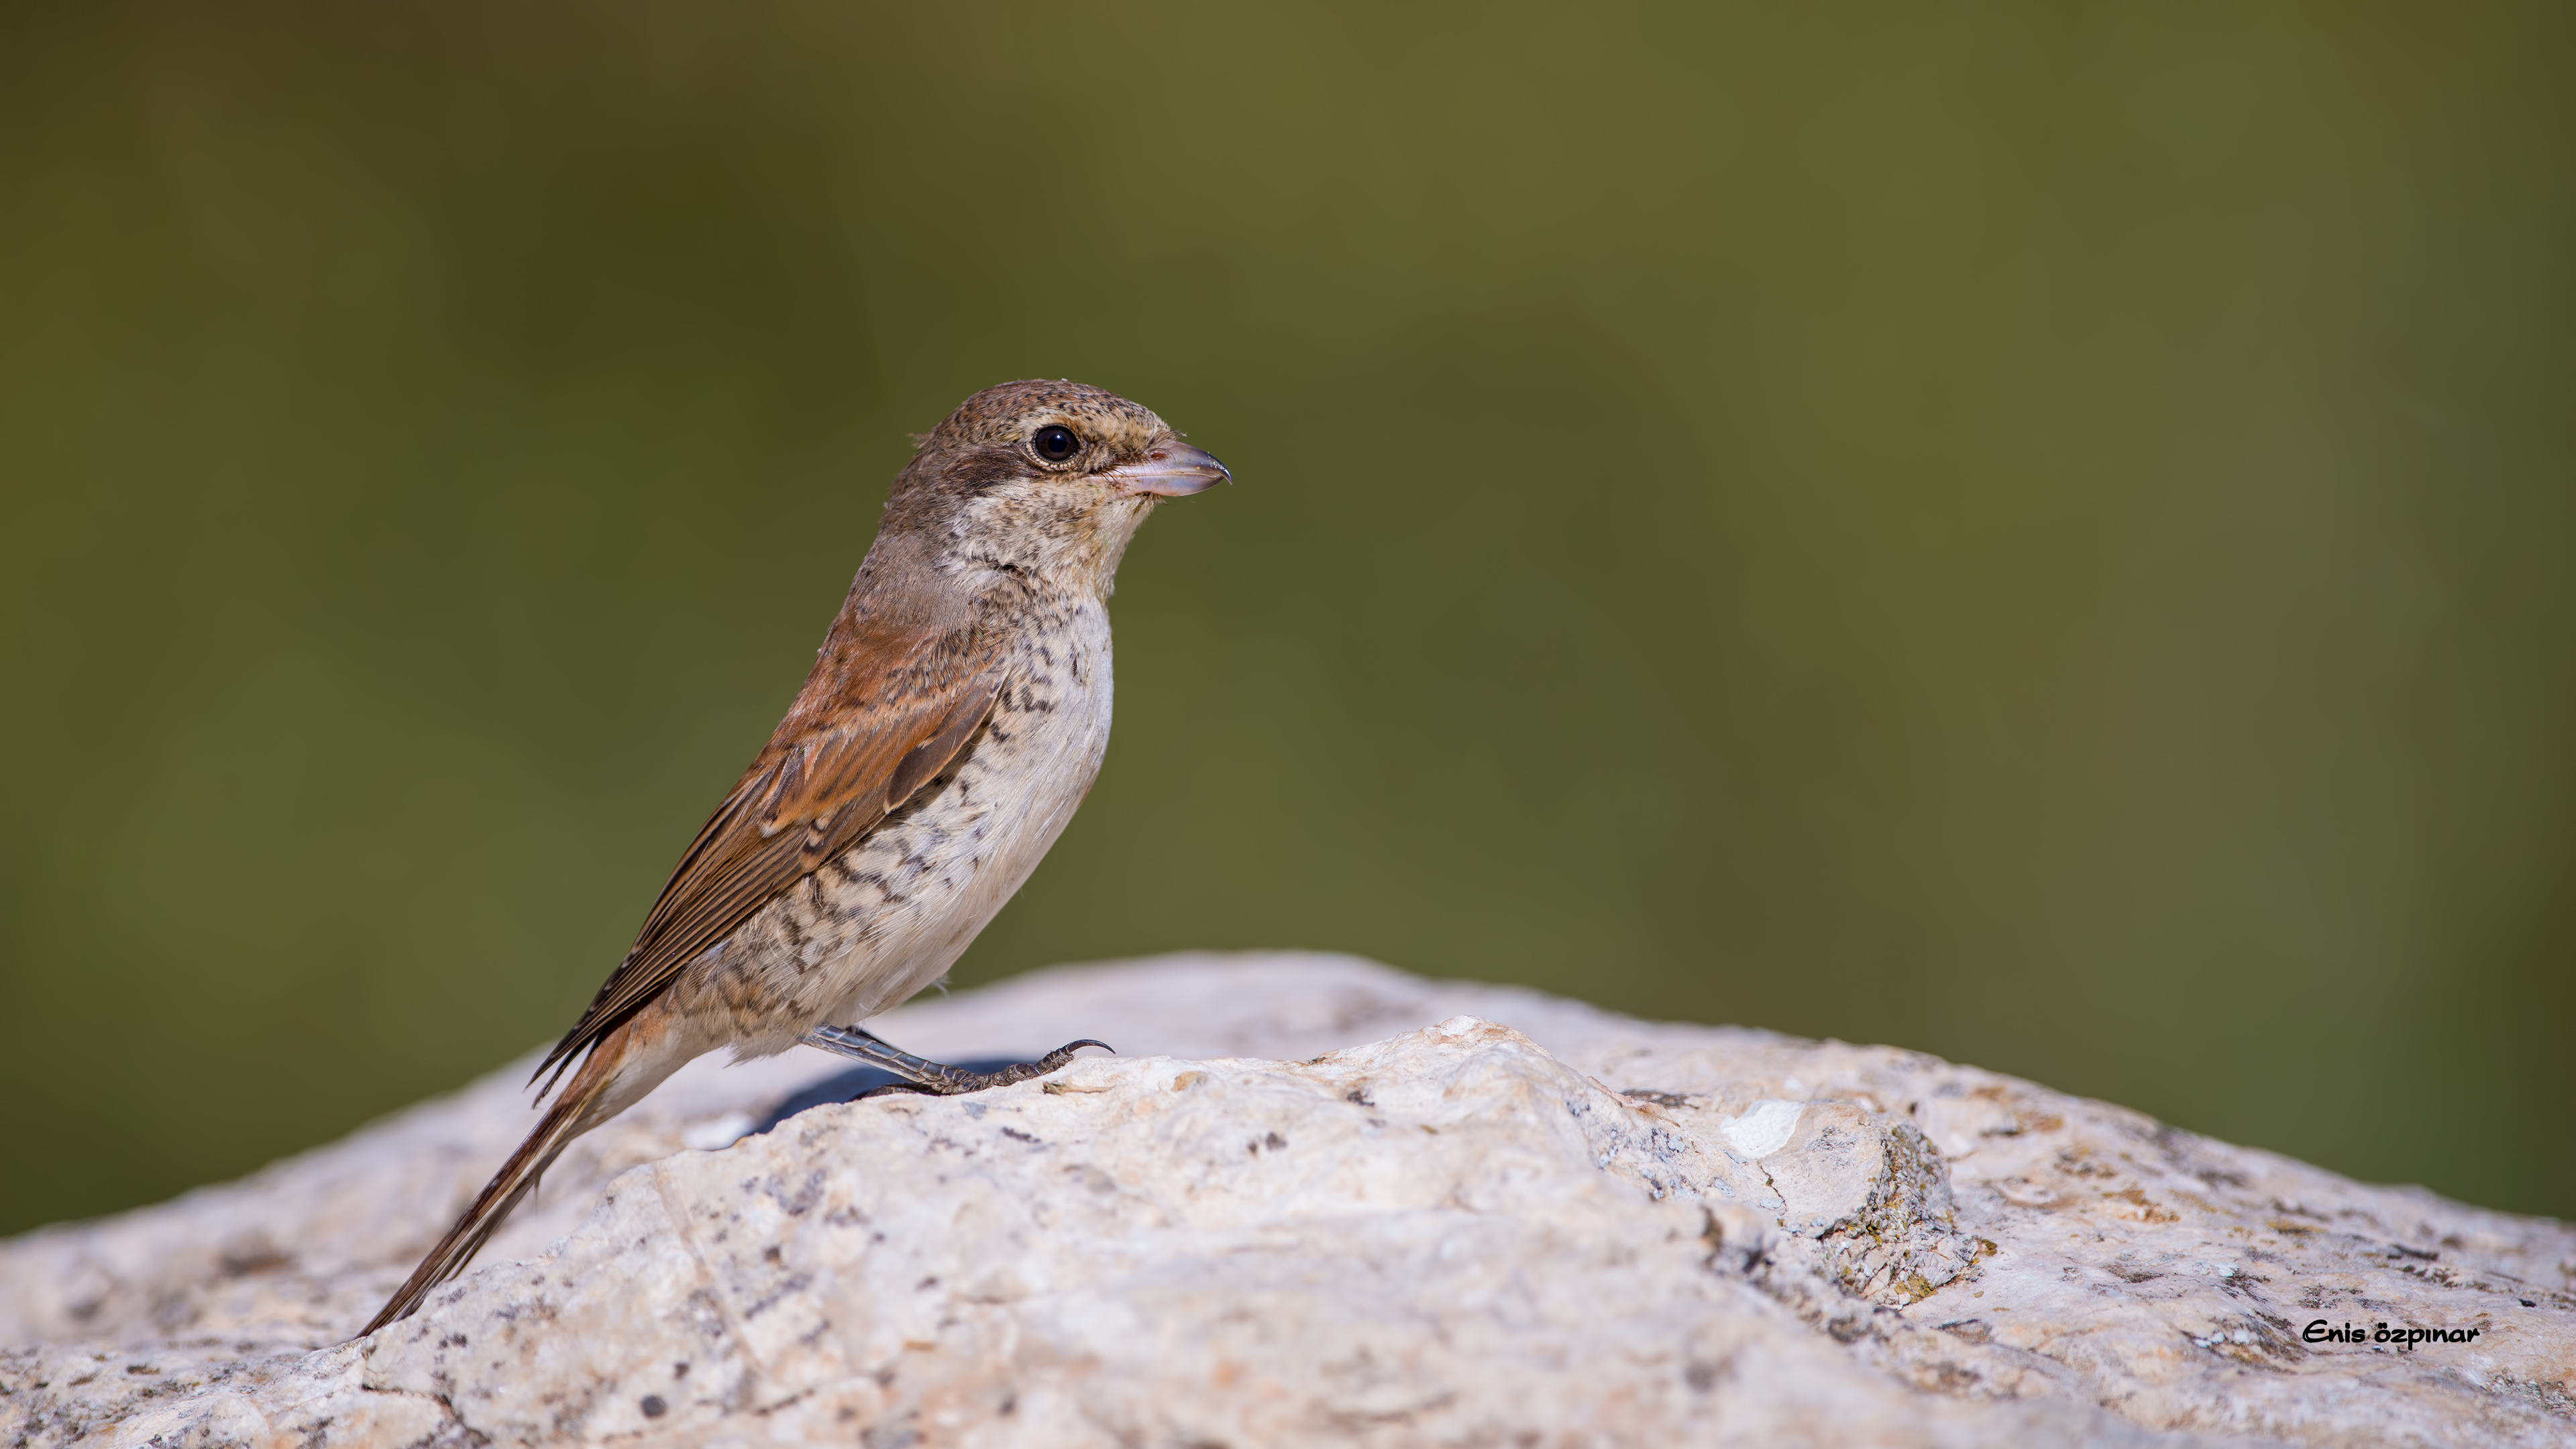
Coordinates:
(1318, 1202)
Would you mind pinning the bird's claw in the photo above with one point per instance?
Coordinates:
(957, 1082)
(921, 1074)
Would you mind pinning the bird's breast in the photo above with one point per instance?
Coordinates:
(892, 914)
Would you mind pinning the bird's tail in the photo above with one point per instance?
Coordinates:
(582, 1105)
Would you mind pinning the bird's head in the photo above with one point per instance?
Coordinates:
(1047, 480)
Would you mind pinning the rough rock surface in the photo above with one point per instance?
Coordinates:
(1318, 1202)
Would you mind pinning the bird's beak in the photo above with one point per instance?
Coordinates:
(1172, 470)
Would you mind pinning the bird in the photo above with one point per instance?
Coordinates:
(956, 715)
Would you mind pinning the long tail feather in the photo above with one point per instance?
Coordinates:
(572, 1114)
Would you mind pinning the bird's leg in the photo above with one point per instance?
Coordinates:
(937, 1077)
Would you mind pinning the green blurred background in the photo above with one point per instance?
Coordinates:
(2039, 533)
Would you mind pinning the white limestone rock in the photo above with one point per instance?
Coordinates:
(1603, 1231)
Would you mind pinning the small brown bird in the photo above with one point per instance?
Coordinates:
(956, 716)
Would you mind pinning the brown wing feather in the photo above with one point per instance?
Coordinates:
(907, 703)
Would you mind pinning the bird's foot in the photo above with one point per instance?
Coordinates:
(938, 1077)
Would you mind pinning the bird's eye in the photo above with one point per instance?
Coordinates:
(1055, 444)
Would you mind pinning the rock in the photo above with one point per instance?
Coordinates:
(1505, 1219)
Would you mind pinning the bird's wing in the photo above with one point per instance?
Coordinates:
(907, 704)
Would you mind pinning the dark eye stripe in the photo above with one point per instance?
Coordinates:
(984, 468)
